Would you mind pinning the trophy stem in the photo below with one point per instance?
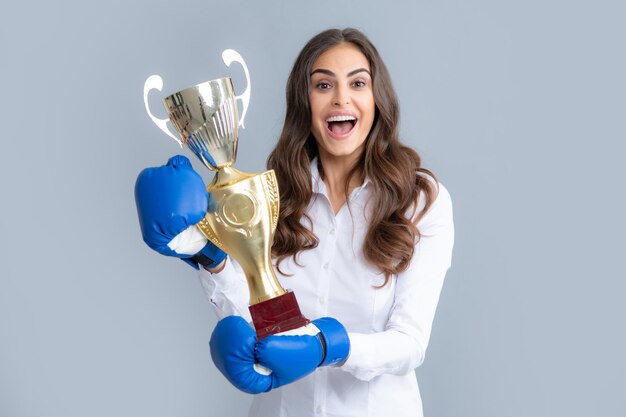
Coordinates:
(227, 176)
(262, 282)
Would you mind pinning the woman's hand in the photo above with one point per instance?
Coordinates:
(295, 354)
(171, 200)
(232, 350)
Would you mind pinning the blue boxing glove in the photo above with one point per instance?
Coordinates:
(292, 356)
(171, 200)
(232, 350)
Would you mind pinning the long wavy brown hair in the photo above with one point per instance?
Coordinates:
(394, 170)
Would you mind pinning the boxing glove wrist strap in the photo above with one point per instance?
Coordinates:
(209, 257)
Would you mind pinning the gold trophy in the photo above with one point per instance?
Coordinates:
(243, 208)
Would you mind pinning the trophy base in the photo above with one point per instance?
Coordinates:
(277, 315)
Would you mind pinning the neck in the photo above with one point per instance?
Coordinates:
(335, 176)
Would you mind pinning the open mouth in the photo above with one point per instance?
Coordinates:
(340, 126)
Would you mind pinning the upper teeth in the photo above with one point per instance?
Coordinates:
(340, 118)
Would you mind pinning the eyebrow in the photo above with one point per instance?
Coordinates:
(332, 74)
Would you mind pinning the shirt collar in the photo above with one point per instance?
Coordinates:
(317, 185)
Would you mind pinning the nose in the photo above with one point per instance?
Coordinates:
(341, 96)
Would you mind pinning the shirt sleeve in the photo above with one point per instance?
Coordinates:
(401, 347)
(227, 290)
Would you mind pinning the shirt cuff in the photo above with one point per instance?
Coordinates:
(357, 362)
(387, 352)
(227, 290)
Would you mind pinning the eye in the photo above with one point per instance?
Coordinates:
(359, 83)
(322, 85)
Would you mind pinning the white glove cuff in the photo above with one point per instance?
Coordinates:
(307, 330)
(188, 242)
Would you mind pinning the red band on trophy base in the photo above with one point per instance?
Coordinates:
(277, 315)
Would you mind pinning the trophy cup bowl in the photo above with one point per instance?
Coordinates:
(243, 208)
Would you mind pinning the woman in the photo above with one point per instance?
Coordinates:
(364, 240)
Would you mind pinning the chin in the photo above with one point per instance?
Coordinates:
(343, 151)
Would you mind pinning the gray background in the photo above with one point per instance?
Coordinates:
(519, 107)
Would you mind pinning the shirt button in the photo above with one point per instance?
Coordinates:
(332, 231)
(325, 265)
(318, 409)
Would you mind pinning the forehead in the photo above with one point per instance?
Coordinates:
(341, 58)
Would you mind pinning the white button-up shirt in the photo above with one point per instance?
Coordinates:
(388, 327)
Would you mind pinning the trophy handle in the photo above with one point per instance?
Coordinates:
(156, 82)
(229, 56)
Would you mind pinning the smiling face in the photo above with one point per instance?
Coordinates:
(342, 102)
